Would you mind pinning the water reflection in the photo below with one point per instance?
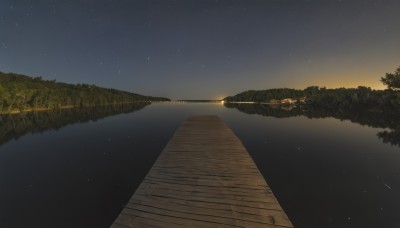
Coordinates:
(68, 168)
(14, 126)
(324, 172)
(390, 121)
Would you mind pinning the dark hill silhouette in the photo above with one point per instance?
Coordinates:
(21, 92)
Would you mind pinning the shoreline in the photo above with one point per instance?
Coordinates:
(17, 111)
(257, 102)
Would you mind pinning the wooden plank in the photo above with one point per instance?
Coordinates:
(203, 178)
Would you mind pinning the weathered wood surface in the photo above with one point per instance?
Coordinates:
(203, 178)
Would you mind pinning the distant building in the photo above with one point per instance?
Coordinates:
(288, 101)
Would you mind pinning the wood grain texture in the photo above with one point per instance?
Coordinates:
(203, 178)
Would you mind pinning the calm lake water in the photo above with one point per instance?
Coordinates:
(77, 168)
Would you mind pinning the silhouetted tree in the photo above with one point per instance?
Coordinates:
(392, 80)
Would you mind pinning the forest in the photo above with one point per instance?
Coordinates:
(24, 93)
(361, 97)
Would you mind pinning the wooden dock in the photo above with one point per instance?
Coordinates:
(203, 178)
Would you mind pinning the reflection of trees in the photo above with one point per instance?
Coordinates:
(14, 126)
(392, 136)
(389, 120)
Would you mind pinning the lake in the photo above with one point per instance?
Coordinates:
(78, 167)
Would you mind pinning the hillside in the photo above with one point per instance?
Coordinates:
(360, 97)
(266, 95)
(21, 92)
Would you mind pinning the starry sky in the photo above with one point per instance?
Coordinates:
(202, 49)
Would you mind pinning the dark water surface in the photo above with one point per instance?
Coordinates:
(77, 168)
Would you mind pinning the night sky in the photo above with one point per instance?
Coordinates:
(199, 49)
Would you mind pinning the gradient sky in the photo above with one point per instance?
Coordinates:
(199, 49)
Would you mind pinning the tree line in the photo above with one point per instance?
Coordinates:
(21, 92)
(361, 97)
